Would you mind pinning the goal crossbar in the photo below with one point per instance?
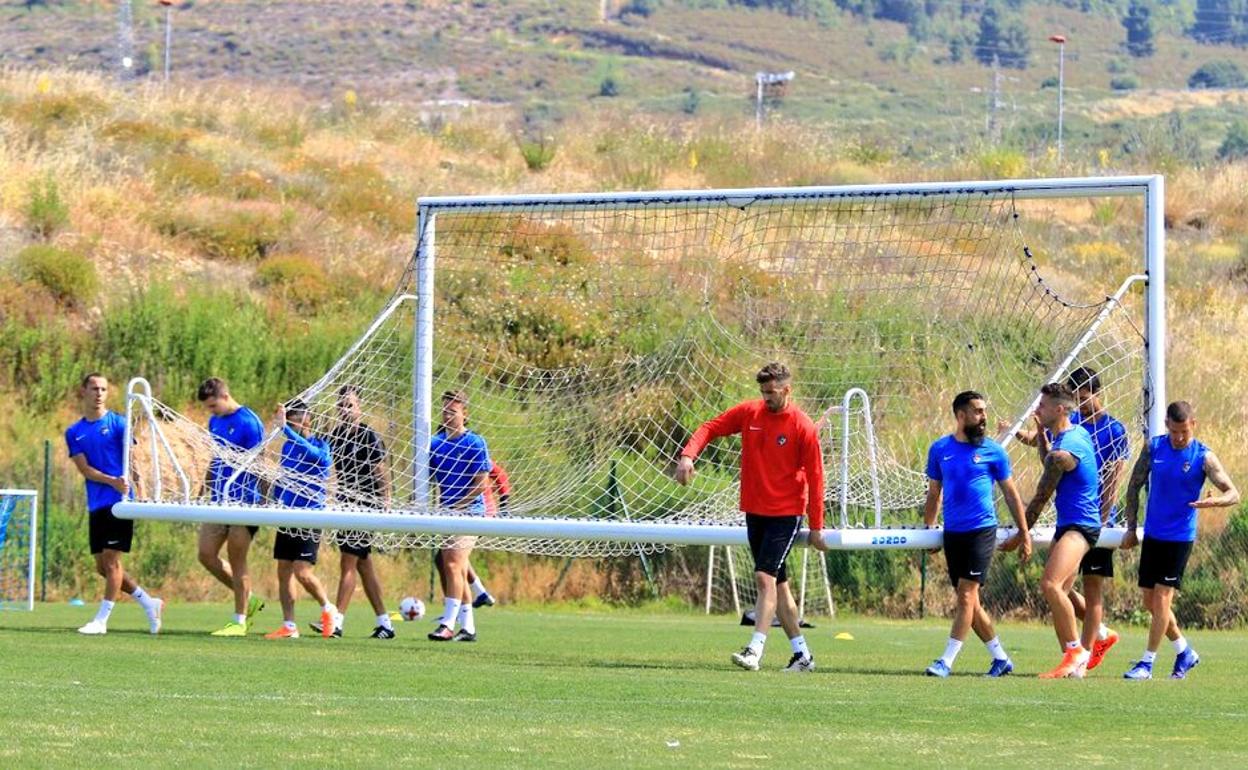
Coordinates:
(547, 528)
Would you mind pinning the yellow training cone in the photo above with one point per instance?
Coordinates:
(844, 636)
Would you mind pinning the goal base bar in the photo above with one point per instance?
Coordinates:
(545, 528)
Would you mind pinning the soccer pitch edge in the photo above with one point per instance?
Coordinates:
(621, 688)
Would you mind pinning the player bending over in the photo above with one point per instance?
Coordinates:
(1174, 467)
(96, 445)
(781, 477)
(961, 469)
(305, 463)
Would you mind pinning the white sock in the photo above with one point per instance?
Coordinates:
(798, 643)
(1148, 657)
(1102, 633)
(478, 587)
(952, 648)
(1180, 645)
(466, 621)
(330, 608)
(145, 601)
(450, 611)
(757, 641)
(240, 619)
(290, 624)
(995, 649)
(1073, 645)
(383, 620)
(106, 609)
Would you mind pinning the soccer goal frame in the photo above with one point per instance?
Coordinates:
(32, 548)
(418, 516)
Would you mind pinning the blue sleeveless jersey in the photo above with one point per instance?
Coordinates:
(1175, 478)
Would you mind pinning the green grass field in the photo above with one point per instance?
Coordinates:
(623, 688)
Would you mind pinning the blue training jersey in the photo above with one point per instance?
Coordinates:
(1175, 478)
(966, 473)
(308, 460)
(103, 441)
(240, 431)
(1109, 438)
(455, 464)
(1078, 500)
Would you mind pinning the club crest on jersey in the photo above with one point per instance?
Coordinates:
(975, 458)
(1187, 467)
(782, 440)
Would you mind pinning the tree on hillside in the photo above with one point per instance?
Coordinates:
(1221, 21)
(1139, 26)
(1003, 37)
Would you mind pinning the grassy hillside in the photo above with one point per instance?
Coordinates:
(200, 230)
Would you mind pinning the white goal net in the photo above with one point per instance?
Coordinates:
(593, 334)
(18, 540)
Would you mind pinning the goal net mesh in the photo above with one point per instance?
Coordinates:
(593, 339)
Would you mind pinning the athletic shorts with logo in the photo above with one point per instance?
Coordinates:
(1099, 562)
(288, 547)
(969, 554)
(104, 530)
(1090, 534)
(1162, 562)
(771, 538)
(354, 543)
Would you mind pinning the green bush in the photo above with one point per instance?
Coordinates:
(1219, 73)
(537, 153)
(240, 232)
(184, 171)
(1124, 83)
(298, 279)
(1235, 144)
(69, 276)
(46, 211)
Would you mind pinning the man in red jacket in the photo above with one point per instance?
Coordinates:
(781, 478)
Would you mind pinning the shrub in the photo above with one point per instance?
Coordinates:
(237, 232)
(609, 86)
(1235, 145)
(183, 171)
(298, 279)
(46, 212)
(1219, 73)
(69, 276)
(639, 7)
(1050, 82)
(537, 153)
(1002, 163)
(1124, 83)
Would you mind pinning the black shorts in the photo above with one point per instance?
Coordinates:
(969, 554)
(1162, 562)
(288, 547)
(1091, 534)
(104, 530)
(1099, 562)
(771, 538)
(348, 543)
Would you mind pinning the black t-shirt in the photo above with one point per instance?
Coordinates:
(357, 451)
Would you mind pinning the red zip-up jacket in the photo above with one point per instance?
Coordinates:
(781, 460)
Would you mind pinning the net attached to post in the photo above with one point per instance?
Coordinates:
(18, 538)
(593, 335)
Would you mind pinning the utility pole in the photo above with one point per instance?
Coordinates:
(994, 101)
(125, 40)
(1061, 88)
(168, 4)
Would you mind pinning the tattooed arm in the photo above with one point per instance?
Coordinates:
(1055, 464)
(1139, 477)
(1219, 478)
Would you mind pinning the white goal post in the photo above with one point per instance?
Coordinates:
(815, 275)
(19, 537)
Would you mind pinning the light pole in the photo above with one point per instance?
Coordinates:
(761, 80)
(1061, 87)
(168, 4)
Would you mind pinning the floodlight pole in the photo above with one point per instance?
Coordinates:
(1061, 88)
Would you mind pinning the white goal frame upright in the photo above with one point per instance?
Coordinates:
(419, 517)
(32, 557)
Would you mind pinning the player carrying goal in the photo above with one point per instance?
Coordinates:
(781, 477)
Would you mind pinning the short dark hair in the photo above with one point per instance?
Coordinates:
(1180, 411)
(86, 380)
(1059, 391)
(349, 390)
(1084, 377)
(296, 406)
(213, 387)
(455, 396)
(773, 372)
(964, 399)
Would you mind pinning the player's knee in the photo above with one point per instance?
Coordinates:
(1052, 586)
